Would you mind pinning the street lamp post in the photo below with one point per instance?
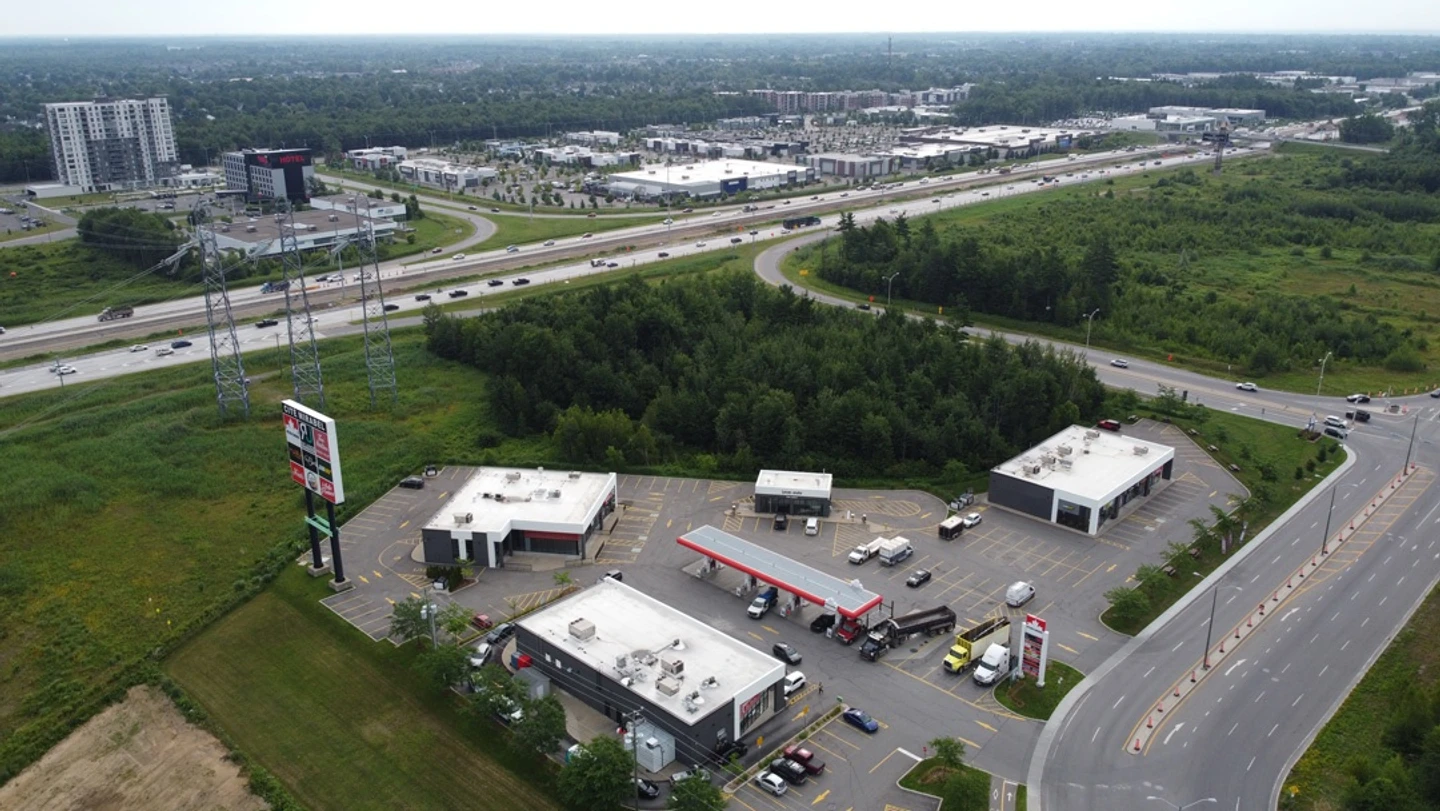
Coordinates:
(1411, 448)
(1322, 373)
(1325, 539)
(889, 280)
(1089, 322)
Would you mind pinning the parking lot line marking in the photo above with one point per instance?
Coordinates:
(1067, 647)
(840, 739)
(378, 576)
(822, 747)
(737, 799)
(404, 524)
(363, 580)
(444, 495)
(969, 743)
(669, 523)
(822, 795)
(882, 760)
(768, 628)
(983, 724)
(1089, 637)
(413, 594)
(389, 600)
(926, 515)
(757, 636)
(1212, 493)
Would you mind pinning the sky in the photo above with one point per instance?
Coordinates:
(108, 18)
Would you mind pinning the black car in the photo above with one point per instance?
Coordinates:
(501, 632)
(423, 297)
(781, 521)
(390, 308)
(736, 240)
(1358, 415)
(737, 749)
(663, 255)
(863, 306)
(821, 623)
(266, 322)
(786, 652)
(918, 578)
(646, 789)
(180, 344)
(792, 772)
(520, 281)
(412, 483)
(458, 294)
(495, 282)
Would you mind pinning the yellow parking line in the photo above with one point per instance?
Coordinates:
(404, 524)
(969, 743)
(771, 630)
(840, 739)
(983, 724)
(390, 601)
(882, 761)
(822, 795)
(1089, 637)
(413, 594)
(444, 495)
(823, 748)
(757, 636)
(1067, 647)
(377, 574)
(363, 580)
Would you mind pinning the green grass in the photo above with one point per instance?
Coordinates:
(64, 279)
(1030, 701)
(35, 230)
(345, 722)
(1411, 662)
(1020, 798)
(1254, 446)
(932, 777)
(434, 231)
(133, 515)
(523, 230)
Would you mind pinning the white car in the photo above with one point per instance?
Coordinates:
(773, 783)
(457, 257)
(668, 221)
(164, 350)
(549, 243)
(715, 214)
(512, 248)
(1019, 594)
(1120, 363)
(139, 348)
(971, 521)
(700, 244)
(65, 370)
(1245, 386)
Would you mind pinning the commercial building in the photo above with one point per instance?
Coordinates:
(112, 144)
(585, 156)
(377, 157)
(704, 179)
(444, 174)
(1081, 477)
(360, 204)
(785, 491)
(621, 651)
(1234, 116)
(842, 165)
(269, 174)
(1007, 140)
(260, 236)
(501, 511)
(594, 138)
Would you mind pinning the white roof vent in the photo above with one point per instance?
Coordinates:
(667, 686)
(462, 519)
(672, 665)
(1141, 450)
(584, 629)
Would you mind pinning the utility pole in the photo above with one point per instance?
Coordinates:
(1089, 322)
(1324, 539)
(1322, 373)
(1411, 449)
(889, 280)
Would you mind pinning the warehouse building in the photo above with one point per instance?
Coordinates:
(707, 179)
(501, 511)
(1082, 478)
(784, 491)
(621, 651)
(841, 165)
(260, 236)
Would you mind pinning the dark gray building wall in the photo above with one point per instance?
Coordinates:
(611, 699)
(439, 546)
(1022, 496)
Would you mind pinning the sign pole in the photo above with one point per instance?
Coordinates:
(335, 545)
(317, 563)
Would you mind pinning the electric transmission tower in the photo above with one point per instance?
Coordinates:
(304, 352)
(232, 388)
(379, 357)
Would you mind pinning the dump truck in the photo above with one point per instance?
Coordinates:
(895, 550)
(889, 633)
(971, 642)
(865, 551)
(112, 313)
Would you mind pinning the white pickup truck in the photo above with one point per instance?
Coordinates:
(865, 551)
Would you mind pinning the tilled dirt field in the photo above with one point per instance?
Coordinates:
(140, 753)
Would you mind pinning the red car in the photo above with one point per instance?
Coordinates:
(1109, 425)
(805, 758)
(481, 621)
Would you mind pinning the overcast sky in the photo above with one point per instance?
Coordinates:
(187, 17)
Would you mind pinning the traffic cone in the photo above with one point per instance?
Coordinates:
(1250, 621)
(1160, 708)
(1222, 646)
(1150, 722)
(1137, 744)
(1192, 676)
(1177, 691)
(1237, 631)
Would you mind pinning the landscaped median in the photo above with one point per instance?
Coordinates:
(1024, 697)
(959, 787)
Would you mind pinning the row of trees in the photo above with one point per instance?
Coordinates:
(139, 238)
(750, 376)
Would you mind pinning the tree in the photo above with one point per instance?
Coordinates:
(542, 727)
(454, 618)
(444, 665)
(1128, 604)
(949, 751)
(1366, 129)
(598, 778)
(497, 693)
(406, 620)
(695, 793)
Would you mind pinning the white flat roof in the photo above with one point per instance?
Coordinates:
(789, 482)
(709, 171)
(1100, 462)
(500, 499)
(644, 630)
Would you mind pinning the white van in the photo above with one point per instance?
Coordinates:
(812, 526)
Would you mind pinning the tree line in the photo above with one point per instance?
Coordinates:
(741, 376)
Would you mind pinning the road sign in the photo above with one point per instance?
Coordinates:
(314, 451)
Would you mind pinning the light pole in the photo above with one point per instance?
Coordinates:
(889, 280)
(1089, 322)
(1411, 449)
(1325, 539)
(1210, 626)
(1322, 373)
(1182, 807)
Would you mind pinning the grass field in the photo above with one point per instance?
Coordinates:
(35, 231)
(1412, 662)
(63, 279)
(434, 231)
(523, 230)
(1030, 701)
(345, 722)
(932, 777)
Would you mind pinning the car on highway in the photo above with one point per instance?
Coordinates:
(1245, 386)
(668, 221)
(591, 215)
(1358, 398)
(520, 281)
(689, 210)
(437, 250)
(586, 235)
(1435, 393)
(1019, 594)
(164, 350)
(266, 322)
(918, 578)
(769, 782)
(754, 233)
(139, 348)
(494, 210)
(422, 297)
(2, 330)
(700, 244)
(786, 652)
(714, 213)
(806, 758)
(457, 257)
(65, 369)
(663, 255)
(390, 308)
(459, 293)
(181, 344)
(512, 248)
(971, 521)
(860, 719)
(612, 264)
(473, 208)
(1120, 363)
(495, 282)
(736, 240)
(862, 306)
(549, 243)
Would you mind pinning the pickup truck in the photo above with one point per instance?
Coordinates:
(849, 630)
(763, 602)
(994, 664)
(865, 551)
(973, 640)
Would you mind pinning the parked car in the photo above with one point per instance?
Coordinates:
(459, 293)
(139, 348)
(495, 282)
(806, 758)
(782, 521)
(786, 652)
(1120, 363)
(1108, 425)
(422, 297)
(972, 520)
(686, 774)
(481, 656)
(1245, 386)
(501, 633)
(1019, 594)
(860, 719)
(737, 749)
(181, 344)
(646, 789)
(918, 578)
(481, 621)
(821, 623)
(1358, 398)
(768, 782)
(412, 483)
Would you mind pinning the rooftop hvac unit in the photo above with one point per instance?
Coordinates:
(1035, 470)
(672, 665)
(667, 686)
(1092, 434)
(464, 518)
(620, 661)
(1067, 463)
(1141, 450)
(574, 474)
(1064, 450)
(1048, 461)
(554, 493)
(512, 476)
(710, 683)
(583, 629)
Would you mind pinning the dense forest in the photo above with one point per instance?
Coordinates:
(1151, 258)
(343, 93)
(749, 376)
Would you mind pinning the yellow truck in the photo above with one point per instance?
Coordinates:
(971, 643)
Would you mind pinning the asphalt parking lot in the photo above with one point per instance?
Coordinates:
(907, 691)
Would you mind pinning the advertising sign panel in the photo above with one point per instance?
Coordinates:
(314, 451)
(1033, 650)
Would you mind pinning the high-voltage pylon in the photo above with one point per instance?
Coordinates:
(232, 388)
(379, 357)
(309, 384)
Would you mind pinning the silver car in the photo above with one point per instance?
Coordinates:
(1019, 594)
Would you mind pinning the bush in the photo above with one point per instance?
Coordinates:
(1127, 603)
(1404, 359)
